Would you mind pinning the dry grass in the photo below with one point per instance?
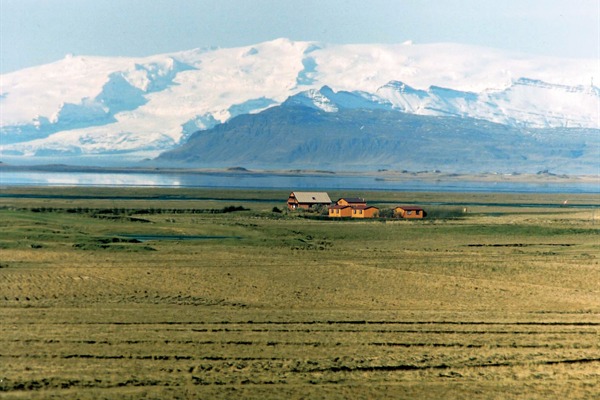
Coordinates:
(498, 304)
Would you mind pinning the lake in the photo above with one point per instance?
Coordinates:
(292, 182)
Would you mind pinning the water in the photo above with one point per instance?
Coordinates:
(291, 182)
(146, 238)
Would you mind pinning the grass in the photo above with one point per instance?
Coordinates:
(501, 302)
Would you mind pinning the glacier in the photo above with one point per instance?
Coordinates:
(140, 107)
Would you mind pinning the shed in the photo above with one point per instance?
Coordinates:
(307, 200)
(409, 212)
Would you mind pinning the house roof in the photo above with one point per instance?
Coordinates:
(312, 197)
(364, 207)
(339, 207)
(353, 200)
(410, 208)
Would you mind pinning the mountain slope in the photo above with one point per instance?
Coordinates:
(143, 106)
(308, 137)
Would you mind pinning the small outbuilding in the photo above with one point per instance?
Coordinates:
(307, 200)
(409, 212)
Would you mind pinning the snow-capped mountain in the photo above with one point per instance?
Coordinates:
(525, 103)
(142, 106)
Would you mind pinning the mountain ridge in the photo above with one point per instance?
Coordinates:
(140, 107)
(361, 139)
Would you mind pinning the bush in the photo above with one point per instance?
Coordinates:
(444, 213)
(320, 209)
(229, 209)
(386, 213)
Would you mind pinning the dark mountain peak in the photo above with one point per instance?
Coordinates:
(361, 138)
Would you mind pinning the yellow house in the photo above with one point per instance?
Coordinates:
(340, 211)
(365, 212)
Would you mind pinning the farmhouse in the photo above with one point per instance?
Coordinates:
(412, 212)
(354, 207)
(307, 200)
(359, 211)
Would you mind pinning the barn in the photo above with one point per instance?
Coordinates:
(409, 212)
(307, 200)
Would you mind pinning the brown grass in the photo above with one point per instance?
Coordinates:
(497, 304)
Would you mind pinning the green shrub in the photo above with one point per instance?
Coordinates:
(444, 213)
(229, 209)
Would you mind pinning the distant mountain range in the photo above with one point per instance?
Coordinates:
(305, 104)
(304, 136)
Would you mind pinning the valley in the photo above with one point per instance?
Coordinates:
(501, 301)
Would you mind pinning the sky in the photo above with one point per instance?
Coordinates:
(35, 32)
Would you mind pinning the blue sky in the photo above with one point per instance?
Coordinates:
(34, 32)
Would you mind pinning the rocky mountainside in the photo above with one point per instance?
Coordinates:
(301, 136)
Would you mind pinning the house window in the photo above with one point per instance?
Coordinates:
(408, 212)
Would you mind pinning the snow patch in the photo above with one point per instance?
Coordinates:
(160, 100)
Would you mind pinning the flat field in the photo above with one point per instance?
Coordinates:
(167, 293)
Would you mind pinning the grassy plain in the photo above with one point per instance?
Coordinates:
(502, 301)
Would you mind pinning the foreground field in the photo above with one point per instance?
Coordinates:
(162, 294)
